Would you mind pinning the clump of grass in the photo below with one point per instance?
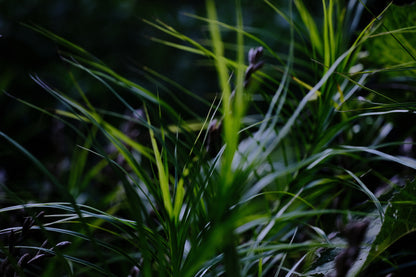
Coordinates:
(278, 183)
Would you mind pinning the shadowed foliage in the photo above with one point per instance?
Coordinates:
(294, 157)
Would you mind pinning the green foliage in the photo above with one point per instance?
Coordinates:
(251, 188)
(399, 222)
(392, 45)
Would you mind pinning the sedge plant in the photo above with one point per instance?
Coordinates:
(289, 168)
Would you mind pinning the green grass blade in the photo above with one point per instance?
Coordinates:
(163, 175)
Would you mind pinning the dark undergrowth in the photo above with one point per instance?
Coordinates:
(300, 163)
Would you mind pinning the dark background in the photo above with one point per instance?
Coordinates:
(114, 32)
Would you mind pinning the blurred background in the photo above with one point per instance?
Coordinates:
(115, 33)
